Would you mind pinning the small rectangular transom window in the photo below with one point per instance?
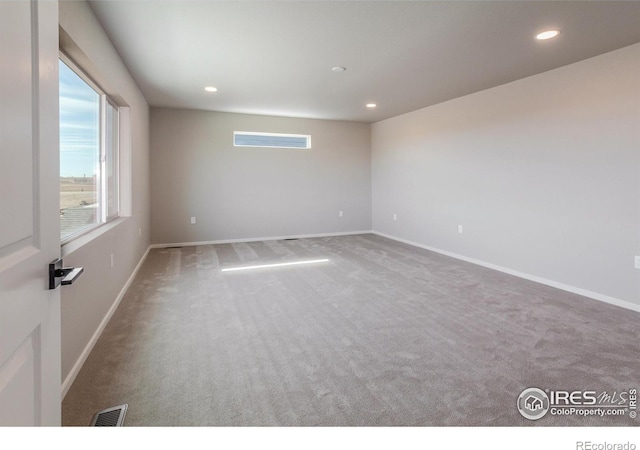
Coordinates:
(270, 140)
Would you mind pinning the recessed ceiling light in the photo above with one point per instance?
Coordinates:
(338, 69)
(547, 35)
(371, 105)
(211, 89)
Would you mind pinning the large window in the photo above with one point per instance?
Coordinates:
(89, 137)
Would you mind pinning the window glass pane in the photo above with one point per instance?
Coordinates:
(271, 140)
(111, 150)
(79, 153)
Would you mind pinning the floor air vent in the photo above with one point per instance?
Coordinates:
(110, 417)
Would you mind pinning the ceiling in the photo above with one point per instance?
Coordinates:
(275, 57)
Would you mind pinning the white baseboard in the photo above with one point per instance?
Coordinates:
(565, 287)
(270, 238)
(66, 385)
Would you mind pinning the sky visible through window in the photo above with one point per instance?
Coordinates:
(79, 126)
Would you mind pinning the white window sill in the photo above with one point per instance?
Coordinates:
(84, 239)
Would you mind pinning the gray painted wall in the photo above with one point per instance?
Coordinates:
(245, 193)
(86, 303)
(543, 174)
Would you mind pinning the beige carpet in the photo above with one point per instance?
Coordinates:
(383, 334)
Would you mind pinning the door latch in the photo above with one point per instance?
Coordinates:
(62, 275)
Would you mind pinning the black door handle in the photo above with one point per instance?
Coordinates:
(62, 275)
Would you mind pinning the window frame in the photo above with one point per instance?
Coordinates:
(101, 183)
(115, 156)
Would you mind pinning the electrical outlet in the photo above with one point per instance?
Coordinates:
(193, 220)
(339, 213)
(460, 229)
(112, 260)
(395, 216)
(637, 262)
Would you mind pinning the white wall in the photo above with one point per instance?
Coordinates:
(86, 303)
(543, 174)
(245, 193)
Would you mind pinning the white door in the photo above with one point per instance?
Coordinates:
(29, 214)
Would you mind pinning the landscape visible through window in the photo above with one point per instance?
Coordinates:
(88, 155)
